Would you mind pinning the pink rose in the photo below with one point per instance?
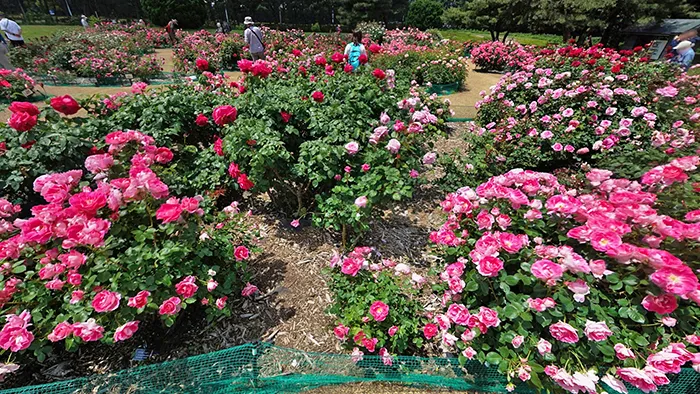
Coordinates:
(341, 332)
(484, 220)
(361, 202)
(489, 266)
(370, 344)
(379, 310)
(241, 253)
(352, 148)
(89, 331)
(170, 306)
(622, 352)
(637, 378)
(547, 270)
(469, 353)
(563, 332)
(488, 317)
(76, 296)
(140, 300)
(597, 331)
(106, 301)
(544, 347)
(517, 341)
(221, 302)
(662, 304)
(458, 313)
(170, 211)
(126, 331)
(351, 266)
(249, 290)
(60, 332)
(392, 330)
(187, 287)
(393, 145)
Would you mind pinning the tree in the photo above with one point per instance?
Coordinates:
(455, 18)
(498, 16)
(424, 14)
(190, 14)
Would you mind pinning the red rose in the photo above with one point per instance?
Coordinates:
(201, 120)
(241, 253)
(22, 121)
(219, 146)
(244, 182)
(245, 65)
(22, 106)
(65, 105)
(233, 170)
(348, 68)
(363, 58)
(616, 68)
(337, 57)
(163, 155)
(317, 96)
(374, 48)
(187, 287)
(286, 116)
(3, 147)
(28, 144)
(430, 330)
(202, 64)
(320, 61)
(575, 63)
(224, 115)
(296, 52)
(379, 74)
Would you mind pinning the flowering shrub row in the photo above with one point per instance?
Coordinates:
(596, 105)
(15, 84)
(111, 247)
(559, 287)
(498, 56)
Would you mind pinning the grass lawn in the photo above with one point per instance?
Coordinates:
(31, 32)
(523, 38)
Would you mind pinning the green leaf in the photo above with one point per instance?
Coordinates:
(493, 358)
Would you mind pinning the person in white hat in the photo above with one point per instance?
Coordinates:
(254, 39)
(685, 54)
(84, 21)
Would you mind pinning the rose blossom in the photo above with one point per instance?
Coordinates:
(126, 331)
(597, 331)
(140, 300)
(170, 306)
(563, 332)
(106, 301)
(379, 310)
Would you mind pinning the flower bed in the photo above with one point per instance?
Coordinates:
(497, 56)
(15, 85)
(597, 106)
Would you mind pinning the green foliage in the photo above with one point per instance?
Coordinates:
(316, 28)
(424, 14)
(353, 296)
(190, 14)
(455, 18)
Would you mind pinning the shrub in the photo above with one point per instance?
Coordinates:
(306, 141)
(584, 109)
(15, 84)
(231, 51)
(108, 251)
(190, 14)
(424, 14)
(375, 30)
(377, 304)
(497, 56)
(316, 28)
(455, 18)
(571, 287)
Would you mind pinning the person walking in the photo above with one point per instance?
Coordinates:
(253, 37)
(12, 31)
(4, 51)
(219, 29)
(685, 54)
(170, 28)
(84, 21)
(355, 49)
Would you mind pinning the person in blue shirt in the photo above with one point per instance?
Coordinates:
(355, 49)
(685, 54)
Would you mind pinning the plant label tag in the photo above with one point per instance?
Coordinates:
(129, 76)
(27, 92)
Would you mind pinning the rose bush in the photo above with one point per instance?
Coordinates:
(111, 247)
(376, 302)
(606, 108)
(572, 287)
(497, 56)
(15, 84)
(316, 141)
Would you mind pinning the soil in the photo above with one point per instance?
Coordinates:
(290, 310)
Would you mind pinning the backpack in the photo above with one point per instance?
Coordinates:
(354, 55)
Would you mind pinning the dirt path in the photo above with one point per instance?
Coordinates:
(463, 102)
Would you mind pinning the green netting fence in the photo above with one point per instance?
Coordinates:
(265, 368)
